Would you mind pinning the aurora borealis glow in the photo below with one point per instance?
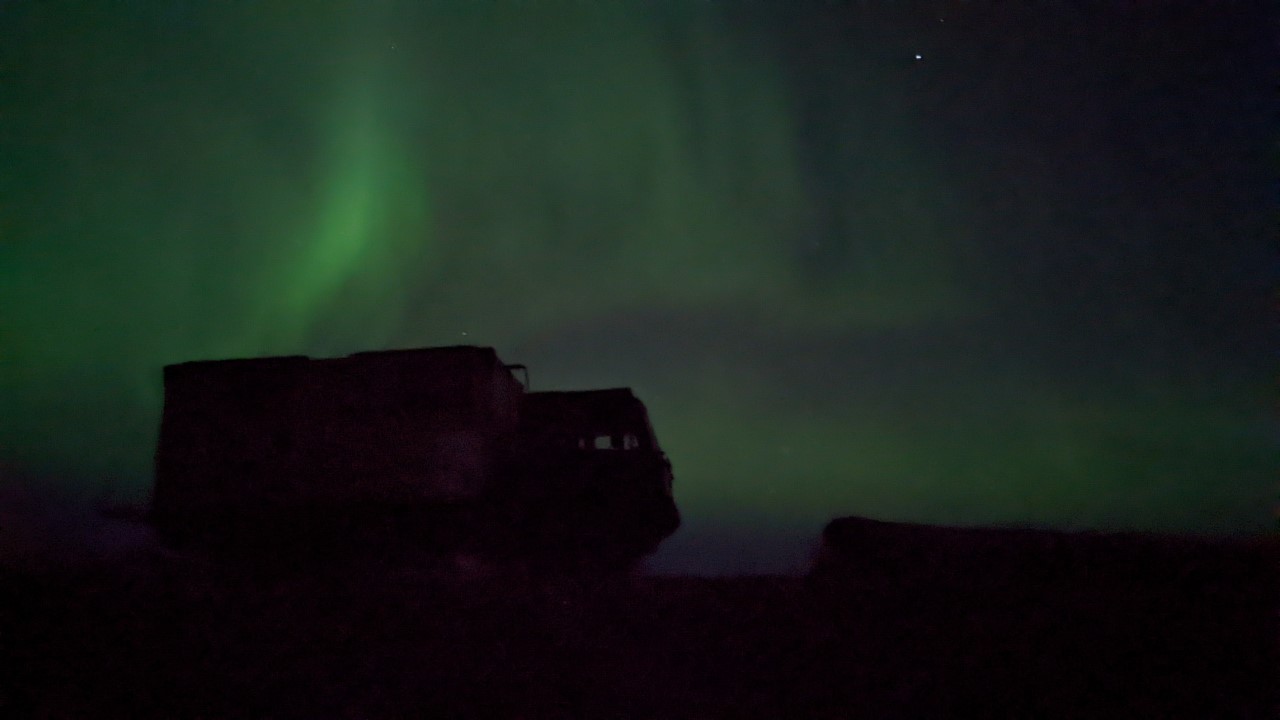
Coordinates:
(1024, 279)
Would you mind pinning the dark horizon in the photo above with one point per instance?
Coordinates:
(945, 262)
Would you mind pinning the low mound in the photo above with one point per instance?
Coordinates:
(854, 547)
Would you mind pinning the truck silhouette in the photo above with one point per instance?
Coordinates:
(405, 453)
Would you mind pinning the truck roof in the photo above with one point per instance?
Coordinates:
(404, 353)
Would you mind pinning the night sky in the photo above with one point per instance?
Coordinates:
(979, 262)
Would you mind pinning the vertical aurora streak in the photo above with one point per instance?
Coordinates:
(354, 239)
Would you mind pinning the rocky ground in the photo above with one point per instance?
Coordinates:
(1188, 633)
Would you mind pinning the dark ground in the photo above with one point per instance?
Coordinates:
(1189, 632)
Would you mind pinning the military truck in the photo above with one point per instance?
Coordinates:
(405, 453)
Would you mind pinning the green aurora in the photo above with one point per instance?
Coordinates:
(789, 261)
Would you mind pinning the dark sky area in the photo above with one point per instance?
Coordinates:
(980, 262)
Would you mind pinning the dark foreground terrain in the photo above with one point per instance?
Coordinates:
(1183, 630)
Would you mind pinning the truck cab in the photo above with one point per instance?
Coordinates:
(588, 475)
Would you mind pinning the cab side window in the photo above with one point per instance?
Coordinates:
(628, 441)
